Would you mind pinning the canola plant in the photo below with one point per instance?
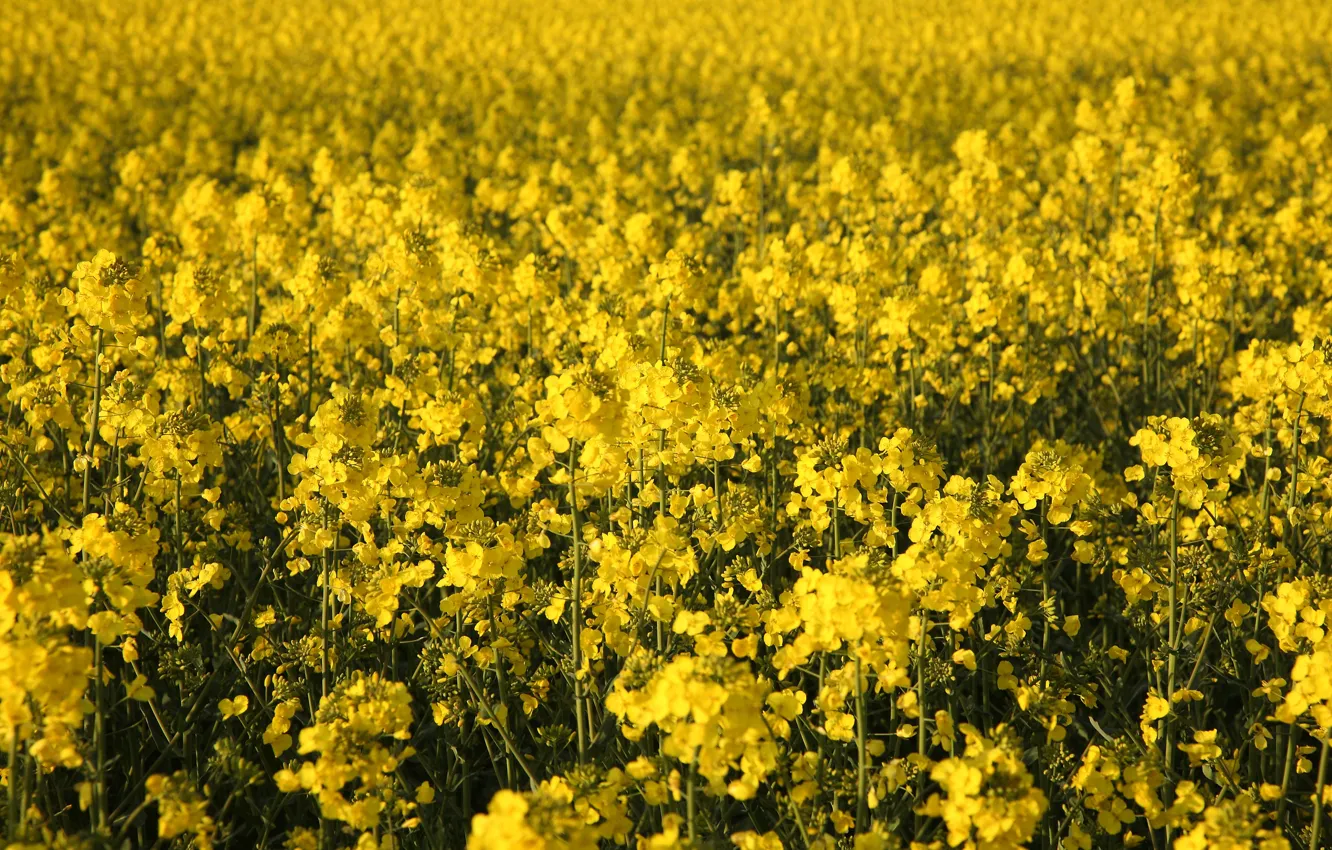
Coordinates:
(665, 424)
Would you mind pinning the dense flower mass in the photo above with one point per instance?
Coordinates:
(578, 424)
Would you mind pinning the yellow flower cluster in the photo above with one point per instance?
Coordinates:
(988, 799)
(43, 667)
(346, 734)
(711, 713)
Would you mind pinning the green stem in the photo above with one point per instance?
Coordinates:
(1285, 776)
(99, 736)
(91, 442)
(717, 491)
(576, 609)
(252, 308)
(920, 684)
(661, 509)
(836, 540)
(323, 627)
(13, 785)
(1173, 630)
(862, 761)
(691, 806)
(1289, 526)
(1317, 828)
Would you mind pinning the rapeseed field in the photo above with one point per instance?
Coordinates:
(660, 424)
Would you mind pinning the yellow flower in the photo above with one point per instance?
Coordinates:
(233, 707)
(107, 294)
